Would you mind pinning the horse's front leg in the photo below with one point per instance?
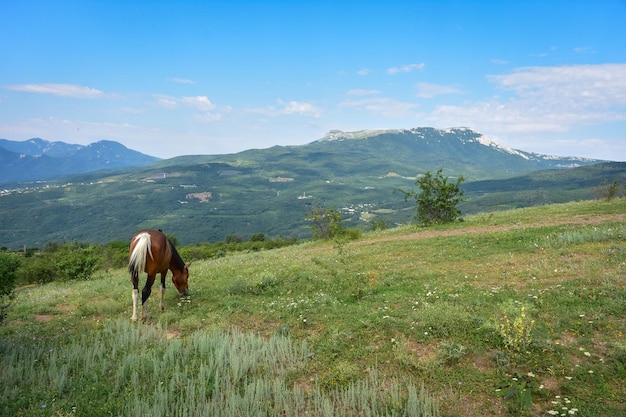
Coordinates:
(135, 281)
(145, 293)
(163, 275)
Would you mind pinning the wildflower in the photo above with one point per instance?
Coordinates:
(590, 371)
(587, 354)
(553, 413)
(530, 374)
(569, 378)
(43, 406)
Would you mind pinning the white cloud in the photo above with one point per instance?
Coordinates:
(430, 90)
(381, 106)
(576, 86)
(207, 117)
(182, 80)
(584, 50)
(362, 92)
(201, 104)
(167, 102)
(405, 68)
(61, 90)
(289, 108)
(545, 99)
(363, 72)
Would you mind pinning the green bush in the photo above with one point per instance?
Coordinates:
(37, 269)
(379, 224)
(351, 234)
(76, 263)
(438, 200)
(114, 255)
(325, 222)
(9, 262)
(61, 262)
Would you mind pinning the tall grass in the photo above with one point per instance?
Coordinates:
(589, 234)
(125, 369)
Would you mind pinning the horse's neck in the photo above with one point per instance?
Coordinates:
(176, 261)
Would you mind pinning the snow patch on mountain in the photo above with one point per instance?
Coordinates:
(464, 134)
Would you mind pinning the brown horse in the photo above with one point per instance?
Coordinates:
(152, 252)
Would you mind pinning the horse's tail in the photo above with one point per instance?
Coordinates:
(143, 246)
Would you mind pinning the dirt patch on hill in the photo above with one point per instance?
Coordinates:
(203, 197)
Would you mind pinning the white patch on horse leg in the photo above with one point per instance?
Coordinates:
(162, 298)
(135, 301)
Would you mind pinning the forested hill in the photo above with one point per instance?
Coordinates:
(271, 191)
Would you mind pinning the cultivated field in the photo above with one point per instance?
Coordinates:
(520, 312)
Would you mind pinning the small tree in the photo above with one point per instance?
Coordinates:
(9, 262)
(325, 222)
(438, 200)
(611, 190)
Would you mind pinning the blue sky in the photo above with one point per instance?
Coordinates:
(172, 78)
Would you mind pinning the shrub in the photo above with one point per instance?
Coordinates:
(37, 269)
(9, 262)
(379, 224)
(351, 234)
(438, 200)
(76, 263)
(72, 261)
(325, 222)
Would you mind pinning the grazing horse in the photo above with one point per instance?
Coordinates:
(152, 252)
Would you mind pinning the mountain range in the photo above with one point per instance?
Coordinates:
(38, 159)
(200, 198)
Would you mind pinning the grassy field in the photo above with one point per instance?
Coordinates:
(520, 312)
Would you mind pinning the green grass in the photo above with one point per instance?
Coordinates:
(519, 312)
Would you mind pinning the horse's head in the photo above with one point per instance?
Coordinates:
(181, 281)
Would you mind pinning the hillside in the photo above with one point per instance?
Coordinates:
(38, 159)
(270, 191)
(516, 313)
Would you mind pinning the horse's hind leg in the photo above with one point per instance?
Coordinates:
(145, 293)
(163, 291)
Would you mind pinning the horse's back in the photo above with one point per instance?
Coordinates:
(157, 254)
